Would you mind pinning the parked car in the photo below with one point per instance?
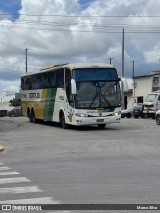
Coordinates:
(16, 112)
(138, 111)
(3, 113)
(152, 104)
(158, 117)
(127, 112)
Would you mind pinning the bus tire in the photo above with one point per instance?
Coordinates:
(101, 126)
(32, 116)
(28, 113)
(158, 119)
(62, 120)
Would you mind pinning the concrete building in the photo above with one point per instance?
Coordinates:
(128, 92)
(142, 85)
(5, 98)
(139, 87)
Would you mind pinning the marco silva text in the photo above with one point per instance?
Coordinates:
(147, 207)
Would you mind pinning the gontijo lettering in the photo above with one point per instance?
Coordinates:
(23, 95)
(34, 95)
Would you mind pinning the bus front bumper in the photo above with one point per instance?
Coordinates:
(80, 121)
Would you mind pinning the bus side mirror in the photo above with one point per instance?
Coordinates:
(73, 87)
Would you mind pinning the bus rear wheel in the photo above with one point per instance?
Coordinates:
(62, 121)
(32, 117)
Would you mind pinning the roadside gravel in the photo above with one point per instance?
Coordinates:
(6, 125)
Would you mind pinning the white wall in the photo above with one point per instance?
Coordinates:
(129, 100)
(143, 86)
(6, 106)
(5, 97)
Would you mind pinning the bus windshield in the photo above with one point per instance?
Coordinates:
(97, 88)
(97, 95)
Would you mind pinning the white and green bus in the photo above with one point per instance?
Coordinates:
(73, 94)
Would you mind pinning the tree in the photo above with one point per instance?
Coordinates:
(15, 102)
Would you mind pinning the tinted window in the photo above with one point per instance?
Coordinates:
(42, 80)
(60, 78)
(95, 74)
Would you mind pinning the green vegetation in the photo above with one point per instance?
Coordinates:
(15, 102)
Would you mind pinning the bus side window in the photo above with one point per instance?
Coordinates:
(60, 78)
(68, 86)
(25, 86)
(52, 79)
(22, 83)
(35, 82)
(40, 81)
(45, 83)
(67, 76)
(28, 83)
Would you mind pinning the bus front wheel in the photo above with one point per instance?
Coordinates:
(101, 126)
(62, 121)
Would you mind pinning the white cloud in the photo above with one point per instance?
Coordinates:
(69, 32)
(8, 86)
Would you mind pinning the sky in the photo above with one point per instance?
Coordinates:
(68, 31)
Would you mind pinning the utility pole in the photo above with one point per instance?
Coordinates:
(133, 82)
(122, 71)
(26, 60)
(110, 60)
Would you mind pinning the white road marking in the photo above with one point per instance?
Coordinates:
(16, 190)
(13, 180)
(44, 200)
(9, 173)
(4, 168)
(21, 190)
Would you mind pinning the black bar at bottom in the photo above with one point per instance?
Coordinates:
(101, 207)
(46, 207)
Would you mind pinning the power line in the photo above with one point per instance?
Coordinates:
(32, 66)
(80, 27)
(60, 15)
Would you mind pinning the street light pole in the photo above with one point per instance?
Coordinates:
(122, 71)
(26, 60)
(133, 83)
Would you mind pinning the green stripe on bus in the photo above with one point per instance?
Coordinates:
(49, 104)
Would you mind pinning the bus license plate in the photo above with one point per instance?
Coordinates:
(100, 110)
(100, 120)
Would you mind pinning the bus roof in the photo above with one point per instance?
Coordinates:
(88, 65)
(71, 66)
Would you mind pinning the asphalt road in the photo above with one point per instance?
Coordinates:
(117, 165)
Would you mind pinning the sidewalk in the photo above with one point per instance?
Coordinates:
(4, 126)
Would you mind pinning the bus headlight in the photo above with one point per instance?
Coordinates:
(81, 115)
(117, 113)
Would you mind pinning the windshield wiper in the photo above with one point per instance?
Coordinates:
(99, 94)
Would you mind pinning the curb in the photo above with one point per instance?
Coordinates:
(1, 148)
